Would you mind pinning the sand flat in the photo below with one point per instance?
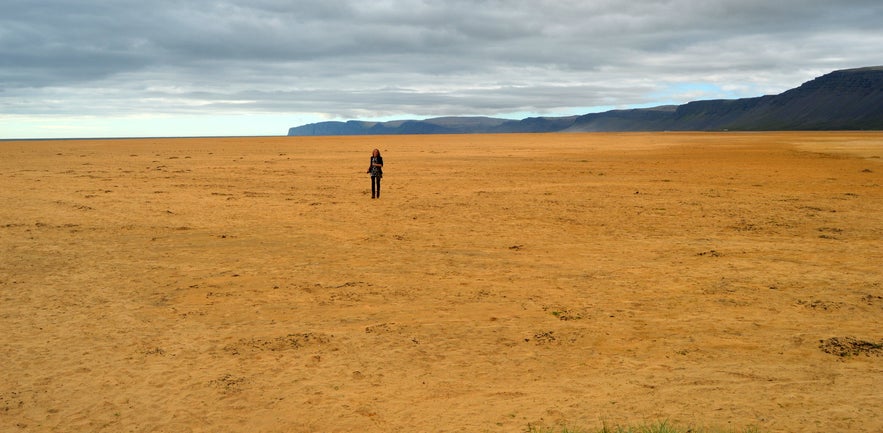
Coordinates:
(502, 281)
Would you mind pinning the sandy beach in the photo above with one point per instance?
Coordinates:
(500, 282)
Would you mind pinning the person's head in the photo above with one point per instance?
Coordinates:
(375, 153)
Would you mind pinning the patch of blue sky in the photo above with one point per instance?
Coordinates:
(681, 93)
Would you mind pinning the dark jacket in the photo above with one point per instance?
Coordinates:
(374, 170)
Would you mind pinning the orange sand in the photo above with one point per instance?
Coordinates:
(502, 281)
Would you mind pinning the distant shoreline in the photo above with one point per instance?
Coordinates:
(138, 138)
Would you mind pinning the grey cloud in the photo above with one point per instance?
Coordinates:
(413, 57)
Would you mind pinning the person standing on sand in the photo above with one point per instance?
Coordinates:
(376, 171)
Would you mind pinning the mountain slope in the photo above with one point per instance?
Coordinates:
(848, 99)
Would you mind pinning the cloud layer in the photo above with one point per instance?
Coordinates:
(349, 59)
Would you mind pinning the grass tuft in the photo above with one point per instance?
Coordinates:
(659, 427)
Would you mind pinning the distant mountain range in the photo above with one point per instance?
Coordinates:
(850, 99)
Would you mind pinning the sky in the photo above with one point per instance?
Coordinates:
(168, 68)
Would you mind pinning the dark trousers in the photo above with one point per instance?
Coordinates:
(375, 186)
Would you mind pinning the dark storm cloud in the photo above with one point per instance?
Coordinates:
(343, 58)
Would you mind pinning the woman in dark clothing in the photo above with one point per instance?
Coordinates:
(376, 171)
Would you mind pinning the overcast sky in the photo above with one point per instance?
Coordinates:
(100, 68)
